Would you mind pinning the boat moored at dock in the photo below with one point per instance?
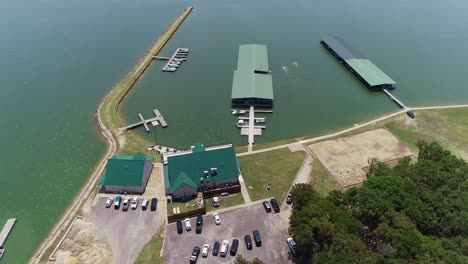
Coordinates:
(238, 112)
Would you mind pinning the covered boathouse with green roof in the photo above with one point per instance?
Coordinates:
(252, 83)
(200, 169)
(369, 74)
(126, 174)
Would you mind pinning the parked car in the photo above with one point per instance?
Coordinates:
(216, 218)
(180, 229)
(144, 204)
(215, 201)
(188, 226)
(275, 205)
(199, 226)
(235, 245)
(205, 250)
(248, 242)
(154, 204)
(195, 254)
(289, 198)
(258, 240)
(134, 203)
(117, 202)
(267, 206)
(215, 248)
(292, 245)
(224, 248)
(126, 204)
(109, 202)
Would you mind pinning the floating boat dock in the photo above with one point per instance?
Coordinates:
(249, 129)
(369, 74)
(6, 230)
(159, 119)
(173, 62)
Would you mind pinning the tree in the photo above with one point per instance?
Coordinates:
(241, 260)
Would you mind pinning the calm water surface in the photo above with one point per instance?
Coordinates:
(58, 58)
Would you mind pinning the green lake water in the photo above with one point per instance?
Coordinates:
(58, 58)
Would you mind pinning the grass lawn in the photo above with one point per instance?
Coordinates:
(325, 182)
(182, 206)
(151, 251)
(449, 127)
(278, 167)
(234, 199)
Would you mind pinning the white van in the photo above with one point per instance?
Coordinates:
(188, 226)
(224, 248)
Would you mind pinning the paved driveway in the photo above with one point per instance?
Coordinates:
(234, 224)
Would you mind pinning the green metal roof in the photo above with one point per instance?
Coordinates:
(189, 168)
(248, 85)
(251, 79)
(369, 72)
(253, 57)
(124, 170)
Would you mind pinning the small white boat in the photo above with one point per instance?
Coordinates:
(241, 123)
(260, 120)
(169, 69)
(184, 49)
(238, 112)
(175, 62)
(173, 65)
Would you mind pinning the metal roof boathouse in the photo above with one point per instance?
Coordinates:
(252, 82)
(372, 77)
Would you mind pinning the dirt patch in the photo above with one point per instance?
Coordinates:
(83, 245)
(346, 157)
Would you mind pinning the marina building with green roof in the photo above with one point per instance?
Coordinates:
(369, 74)
(200, 169)
(252, 83)
(126, 174)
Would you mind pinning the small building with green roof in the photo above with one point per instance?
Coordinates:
(126, 174)
(200, 169)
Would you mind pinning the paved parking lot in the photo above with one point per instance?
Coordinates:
(126, 232)
(234, 224)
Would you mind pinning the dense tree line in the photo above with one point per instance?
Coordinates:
(415, 212)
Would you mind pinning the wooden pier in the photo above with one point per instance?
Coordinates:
(158, 119)
(6, 230)
(395, 99)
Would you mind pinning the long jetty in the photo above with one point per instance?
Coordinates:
(109, 122)
(6, 230)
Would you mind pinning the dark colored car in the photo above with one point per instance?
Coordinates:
(410, 114)
(248, 242)
(117, 202)
(289, 199)
(267, 206)
(195, 254)
(275, 205)
(180, 229)
(292, 245)
(215, 248)
(125, 204)
(234, 246)
(154, 204)
(199, 226)
(258, 240)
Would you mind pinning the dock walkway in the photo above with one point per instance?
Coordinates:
(159, 119)
(251, 130)
(395, 99)
(6, 230)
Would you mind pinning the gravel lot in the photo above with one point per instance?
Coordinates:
(234, 224)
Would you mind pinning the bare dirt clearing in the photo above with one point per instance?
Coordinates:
(346, 157)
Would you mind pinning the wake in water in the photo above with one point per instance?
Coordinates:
(294, 62)
(284, 68)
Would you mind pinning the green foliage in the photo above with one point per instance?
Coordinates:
(411, 213)
(241, 260)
